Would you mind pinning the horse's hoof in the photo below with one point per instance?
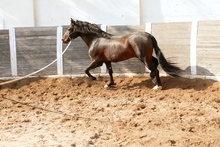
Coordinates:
(93, 78)
(109, 86)
(106, 86)
(154, 80)
(157, 87)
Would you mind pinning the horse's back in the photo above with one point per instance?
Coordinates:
(133, 34)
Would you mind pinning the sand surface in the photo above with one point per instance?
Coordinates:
(79, 112)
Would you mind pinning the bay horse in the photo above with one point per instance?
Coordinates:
(106, 48)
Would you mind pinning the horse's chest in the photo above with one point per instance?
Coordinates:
(94, 52)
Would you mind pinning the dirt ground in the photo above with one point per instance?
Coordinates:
(79, 112)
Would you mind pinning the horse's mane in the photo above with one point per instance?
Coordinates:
(88, 28)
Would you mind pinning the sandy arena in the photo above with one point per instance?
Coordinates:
(79, 112)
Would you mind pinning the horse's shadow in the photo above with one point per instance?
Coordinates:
(179, 83)
(172, 83)
(200, 71)
(186, 83)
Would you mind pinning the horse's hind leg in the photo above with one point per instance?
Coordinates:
(93, 65)
(110, 71)
(154, 72)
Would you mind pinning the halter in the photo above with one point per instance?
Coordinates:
(70, 35)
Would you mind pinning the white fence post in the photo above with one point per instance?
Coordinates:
(13, 53)
(59, 50)
(1, 23)
(193, 41)
(148, 29)
(103, 67)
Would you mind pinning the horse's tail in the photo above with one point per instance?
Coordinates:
(167, 66)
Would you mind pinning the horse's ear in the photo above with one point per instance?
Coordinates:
(72, 21)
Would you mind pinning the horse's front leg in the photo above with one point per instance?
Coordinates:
(110, 71)
(93, 65)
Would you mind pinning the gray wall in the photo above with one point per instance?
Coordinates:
(36, 47)
(174, 41)
(5, 63)
(208, 48)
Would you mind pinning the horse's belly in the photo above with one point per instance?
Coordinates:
(119, 56)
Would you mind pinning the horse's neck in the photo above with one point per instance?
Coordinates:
(88, 38)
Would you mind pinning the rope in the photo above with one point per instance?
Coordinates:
(74, 116)
(15, 80)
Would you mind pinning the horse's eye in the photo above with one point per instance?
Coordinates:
(70, 29)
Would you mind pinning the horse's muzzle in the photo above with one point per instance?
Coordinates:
(66, 40)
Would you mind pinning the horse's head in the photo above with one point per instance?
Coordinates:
(71, 33)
